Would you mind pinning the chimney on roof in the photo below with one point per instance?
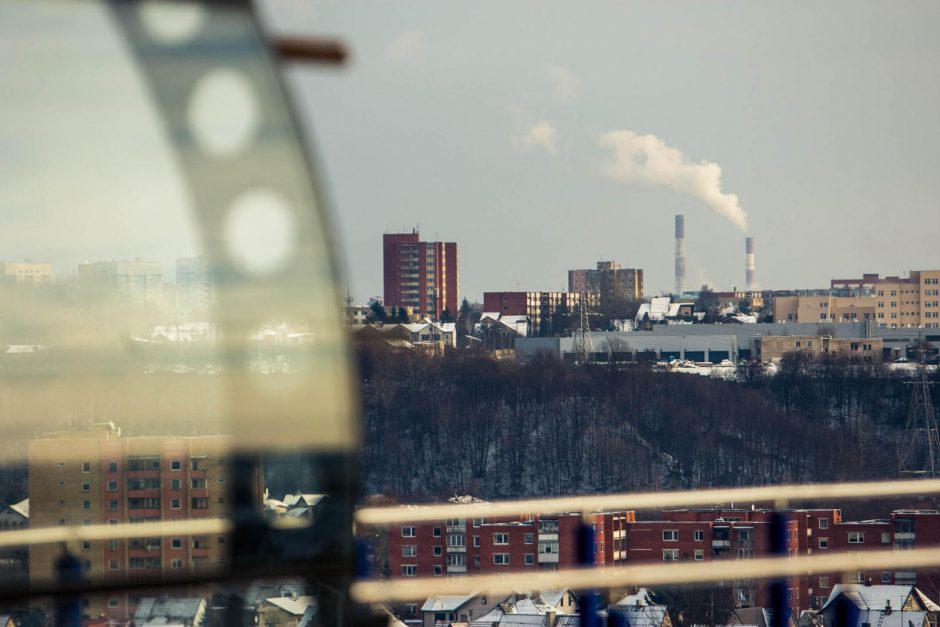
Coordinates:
(888, 607)
(550, 617)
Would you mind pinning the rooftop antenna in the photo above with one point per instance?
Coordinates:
(920, 449)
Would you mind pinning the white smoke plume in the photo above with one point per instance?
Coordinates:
(647, 160)
(541, 136)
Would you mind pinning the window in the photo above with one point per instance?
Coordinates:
(199, 502)
(699, 555)
(176, 504)
(409, 532)
(456, 539)
(199, 484)
(476, 541)
(529, 559)
(86, 504)
(114, 602)
(176, 484)
(670, 555)
(176, 543)
(745, 535)
(856, 537)
(824, 582)
(113, 565)
(860, 577)
(86, 487)
(438, 551)
(885, 577)
(698, 535)
(437, 532)
(824, 543)
(500, 538)
(176, 465)
(409, 550)
(112, 467)
(529, 538)
(176, 563)
(501, 558)
(438, 570)
(823, 523)
(86, 545)
(86, 466)
(113, 506)
(112, 545)
(671, 535)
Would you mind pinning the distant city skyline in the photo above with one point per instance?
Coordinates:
(574, 143)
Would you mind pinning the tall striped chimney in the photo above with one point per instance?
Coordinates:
(749, 263)
(680, 253)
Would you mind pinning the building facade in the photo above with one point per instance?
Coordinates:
(194, 287)
(773, 348)
(892, 302)
(538, 307)
(608, 281)
(139, 282)
(25, 273)
(421, 275)
(99, 477)
(482, 546)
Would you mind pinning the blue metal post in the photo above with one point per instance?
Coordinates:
(779, 588)
(589, 599)
(68, 609)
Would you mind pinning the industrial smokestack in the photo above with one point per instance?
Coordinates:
(680, 253)
(749, 263)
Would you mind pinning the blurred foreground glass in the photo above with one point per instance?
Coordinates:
(172, 344)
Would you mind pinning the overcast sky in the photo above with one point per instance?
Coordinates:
(539, 136)
(480, 123)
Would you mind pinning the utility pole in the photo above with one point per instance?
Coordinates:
(920, 448)
(583, 346)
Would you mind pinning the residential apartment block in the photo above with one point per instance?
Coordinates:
(25, 273)
(139, 282)
(99, 477)
(608, 281)
(892, 302)
(538, 307)
(483, 546)
(479, 546)
(420, 275)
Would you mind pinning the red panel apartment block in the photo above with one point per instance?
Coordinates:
(551, 541)
(421, 275)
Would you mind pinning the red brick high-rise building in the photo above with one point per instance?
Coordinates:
(420, 275)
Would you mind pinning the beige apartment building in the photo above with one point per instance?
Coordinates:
(25, 273)
(98, 477)
(772, 347)
(892, 302)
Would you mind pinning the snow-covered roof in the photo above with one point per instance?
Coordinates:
(492, 315)
(308, 500)
(446, 603)
(553, 598)
(160, 611)
(876, 598)
(292, 605)
(21, 508)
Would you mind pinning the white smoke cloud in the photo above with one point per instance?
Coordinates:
(647, 160)
(564, 83)
(542, 136)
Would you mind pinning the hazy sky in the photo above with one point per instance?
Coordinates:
(481, 123)
(539, 136)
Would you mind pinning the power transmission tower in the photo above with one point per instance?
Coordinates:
(583, 346)
(920, 448)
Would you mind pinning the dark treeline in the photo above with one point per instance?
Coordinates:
(465, 424)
